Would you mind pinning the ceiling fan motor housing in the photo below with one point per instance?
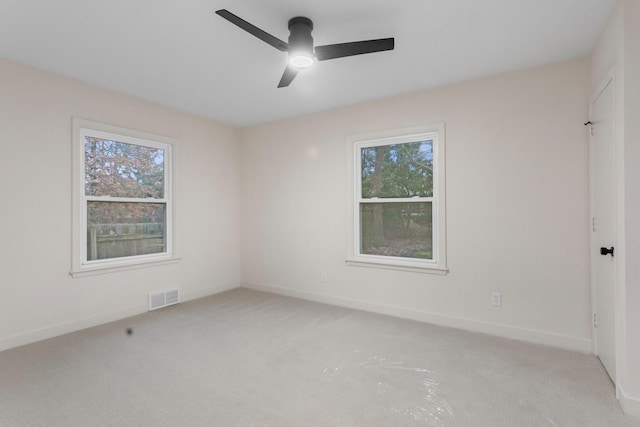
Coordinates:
(300, 38)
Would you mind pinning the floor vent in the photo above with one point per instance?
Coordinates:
(163, 299)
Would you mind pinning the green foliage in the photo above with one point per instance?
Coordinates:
(398, 170)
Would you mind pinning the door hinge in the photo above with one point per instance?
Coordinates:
(595, 320)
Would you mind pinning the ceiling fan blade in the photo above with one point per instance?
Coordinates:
(289, 74)
(340, 50)
(252, 29)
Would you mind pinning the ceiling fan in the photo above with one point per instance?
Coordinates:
(300, 49)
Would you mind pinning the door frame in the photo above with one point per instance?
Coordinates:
(618, 213)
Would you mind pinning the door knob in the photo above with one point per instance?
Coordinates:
(605, 251)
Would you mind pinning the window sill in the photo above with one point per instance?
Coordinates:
(398, 266)
(94, 270)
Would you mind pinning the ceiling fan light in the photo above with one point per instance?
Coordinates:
(301, 60)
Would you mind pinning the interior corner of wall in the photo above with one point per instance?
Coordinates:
(630, 404)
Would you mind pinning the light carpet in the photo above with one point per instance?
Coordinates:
(246, 358)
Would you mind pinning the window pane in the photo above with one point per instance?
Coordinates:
(397, 229)
(118, 169)
(398, 170)
(116, 230)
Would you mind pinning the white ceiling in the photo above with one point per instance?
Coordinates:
(181, 54)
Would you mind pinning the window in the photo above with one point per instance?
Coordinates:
(122, 198)
(399, 203)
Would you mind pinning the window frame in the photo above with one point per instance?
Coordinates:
(81, 266)
(438, 264)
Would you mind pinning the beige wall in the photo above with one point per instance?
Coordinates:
(517, 207)
(38, 297)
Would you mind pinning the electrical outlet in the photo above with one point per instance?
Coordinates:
(323, 277)
(496, 299)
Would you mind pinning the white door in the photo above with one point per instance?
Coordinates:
(603, 200)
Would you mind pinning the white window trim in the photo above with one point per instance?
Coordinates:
(438, 265)
(80, 267)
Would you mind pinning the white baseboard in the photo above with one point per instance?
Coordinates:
(205, 292)
(68, 327)
(538, 337)
(630, 405)
(88, 322)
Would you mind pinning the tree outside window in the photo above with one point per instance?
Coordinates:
(124, 206)
(134, 173)
(397, 228)
(399, 192)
